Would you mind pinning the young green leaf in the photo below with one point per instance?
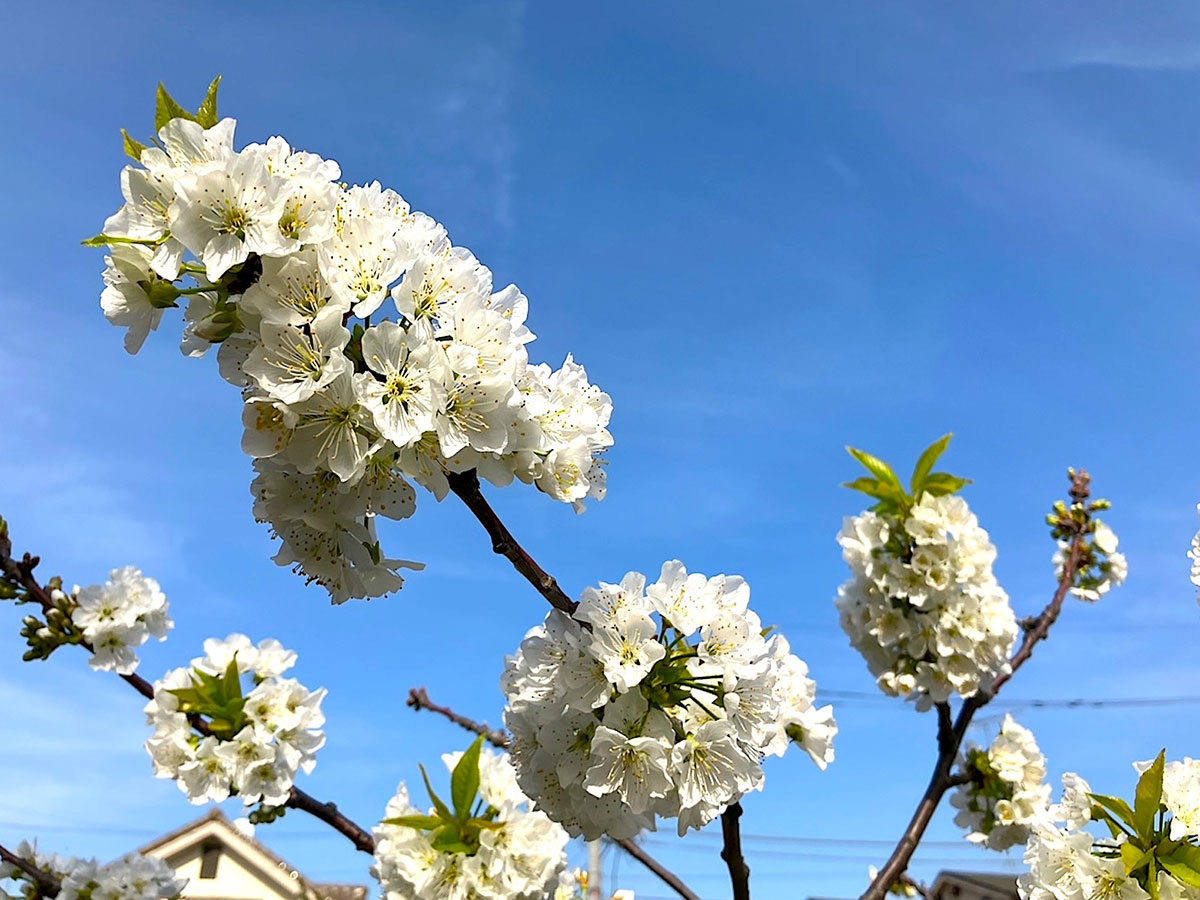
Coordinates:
(464, 780)
(876, 467)
(421, 823)
(442, 809)
(166, 109)
(1148, 798)
(1117, 805)
(206, 115)
(132, 148)
(1184, 864)
(925, 463)
(449, 839)
(1134, 857)
(942, 483)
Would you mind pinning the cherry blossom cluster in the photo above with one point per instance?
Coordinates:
(573, 885)
(1007, 792)
(1148, 848)
(656, 700)
(258, 738)
(497, 849)
(1102, 567)
(119, 616)
(339, 419)
(923, 605)
(134, 877)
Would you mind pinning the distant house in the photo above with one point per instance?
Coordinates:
(221, 863)
(973, 886)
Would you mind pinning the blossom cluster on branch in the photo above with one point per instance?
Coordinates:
(618, 716)
(1007, 791)
(486, 843)
(1149, 850)
(923, 606)
(257, 740)
(339, 419)
(134, 877)
(113, 619)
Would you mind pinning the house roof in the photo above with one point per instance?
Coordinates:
(215, 817)
(1004, 885)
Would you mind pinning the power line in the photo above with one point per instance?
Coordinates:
(1036, 703)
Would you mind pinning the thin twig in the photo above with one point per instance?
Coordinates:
(731, 852)
(418, 699)
(47, 884)
(466, 486)
(949, 743)
(22, 573)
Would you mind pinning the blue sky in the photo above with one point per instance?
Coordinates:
(767, 231)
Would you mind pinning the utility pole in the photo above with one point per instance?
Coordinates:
(595, 870)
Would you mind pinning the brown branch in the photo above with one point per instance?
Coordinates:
(47, 885)
(22, 573)
(731, 852)
(328, 813)
(466, 486)
(418, 699)
(950, 742)
(668, 877)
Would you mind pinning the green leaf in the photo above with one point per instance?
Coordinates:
(206, 115)
(166, 109)
(1117, 805)
(1134, 857)
(876, 467)
(1183, 864)
(442, 809)
(421, 823)
(925, 463)
(449, 840)
(132, 148)
(941, 483)
(464, 780)
(1148, 797)
(232, 683)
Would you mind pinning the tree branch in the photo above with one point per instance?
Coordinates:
(47, 884)
(950, 742)
(731, 852)
(21, 572)
(418, 699)
(466, 486)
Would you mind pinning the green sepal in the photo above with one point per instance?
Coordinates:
(421, 823)
(206, 115)
(166, 108)
(161, 294)
(925, 463)
(464, 780)
(442, 809)
(132, 148)
(1148, 798)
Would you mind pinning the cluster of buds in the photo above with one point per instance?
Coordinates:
(1098, 564)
